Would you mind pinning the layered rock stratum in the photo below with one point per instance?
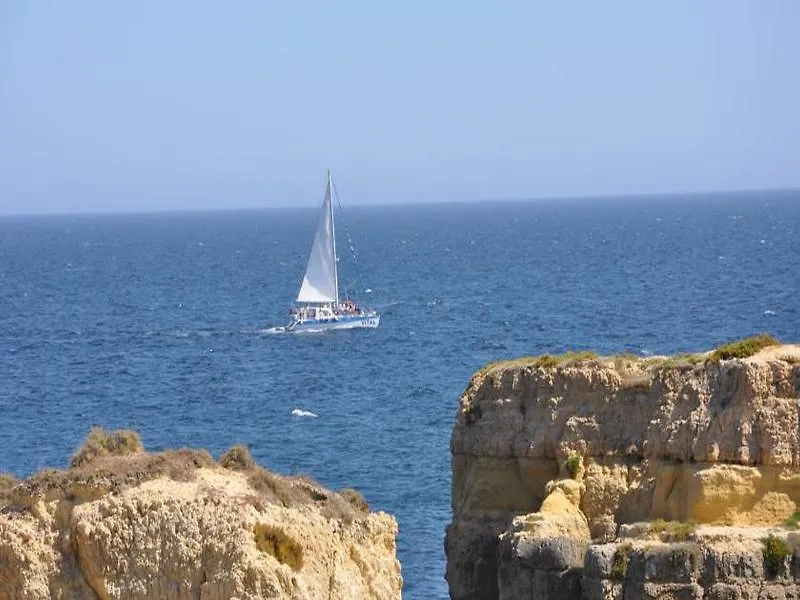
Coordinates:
(624, 477)
(122, 523)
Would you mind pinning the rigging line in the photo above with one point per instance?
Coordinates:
(347, 234)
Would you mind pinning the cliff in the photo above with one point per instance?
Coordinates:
(122, 523)
(587, 476)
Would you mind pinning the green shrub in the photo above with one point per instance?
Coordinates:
(573, 465)
(744, 348)
(673, 531)
(793, 522)
(619, 565)
(775, 553)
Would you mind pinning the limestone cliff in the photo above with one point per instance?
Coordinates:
(178, 525)
(553, 456)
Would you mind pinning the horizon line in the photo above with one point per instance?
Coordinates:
(576, 197)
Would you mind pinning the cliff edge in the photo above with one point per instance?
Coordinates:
(122, 523)
(583, 476)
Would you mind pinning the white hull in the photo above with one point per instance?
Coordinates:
(347, 322)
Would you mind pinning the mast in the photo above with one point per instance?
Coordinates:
(333, 239)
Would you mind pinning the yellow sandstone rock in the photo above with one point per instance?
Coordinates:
(689, 438)
(215, 534)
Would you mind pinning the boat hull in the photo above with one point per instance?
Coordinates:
(366, 321)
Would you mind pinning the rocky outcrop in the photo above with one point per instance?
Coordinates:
(178, 525)
(621, 440)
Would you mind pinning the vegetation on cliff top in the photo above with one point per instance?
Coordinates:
(742, 348)
(7, 483)
(238, 458)
(109, 462)
(673, 531)
(544, 361)
(745, 347)
(681, 360)
(99, 442)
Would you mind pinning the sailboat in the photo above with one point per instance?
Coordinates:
(320, 306)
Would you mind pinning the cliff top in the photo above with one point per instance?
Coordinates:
(756, 349)
(122, 523)
(109, 463)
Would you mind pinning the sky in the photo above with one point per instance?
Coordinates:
(142, 106)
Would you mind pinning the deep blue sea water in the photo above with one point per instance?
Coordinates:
(153, 322)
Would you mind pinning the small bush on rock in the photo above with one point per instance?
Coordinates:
(619, 565)
(573, 465)
(673, 531)
(793, 522)
(7, 483)
(237, 458)
(775, 553)
(744, 348)
(355, 499)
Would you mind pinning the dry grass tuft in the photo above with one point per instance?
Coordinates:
(300, 490)
(543, 361)
(682, 360)
(237, 458)
(111, 473)
(7, 483)
(355, 499)
(100, 442)
(673, 531)
(108, 463)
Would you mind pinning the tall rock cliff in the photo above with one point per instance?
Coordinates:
(586, 476)
(125, 524)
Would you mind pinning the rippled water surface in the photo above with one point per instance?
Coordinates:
(153, 322)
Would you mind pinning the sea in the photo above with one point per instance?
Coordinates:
(157, 322)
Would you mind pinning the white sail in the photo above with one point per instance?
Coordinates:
(320, 281)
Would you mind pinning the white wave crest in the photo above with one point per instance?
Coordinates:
(299, 412)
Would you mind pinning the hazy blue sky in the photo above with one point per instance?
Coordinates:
(167, 105)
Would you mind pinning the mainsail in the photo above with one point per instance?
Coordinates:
(320, 281)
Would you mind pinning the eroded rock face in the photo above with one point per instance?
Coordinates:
(714, 442)
(212, 536)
